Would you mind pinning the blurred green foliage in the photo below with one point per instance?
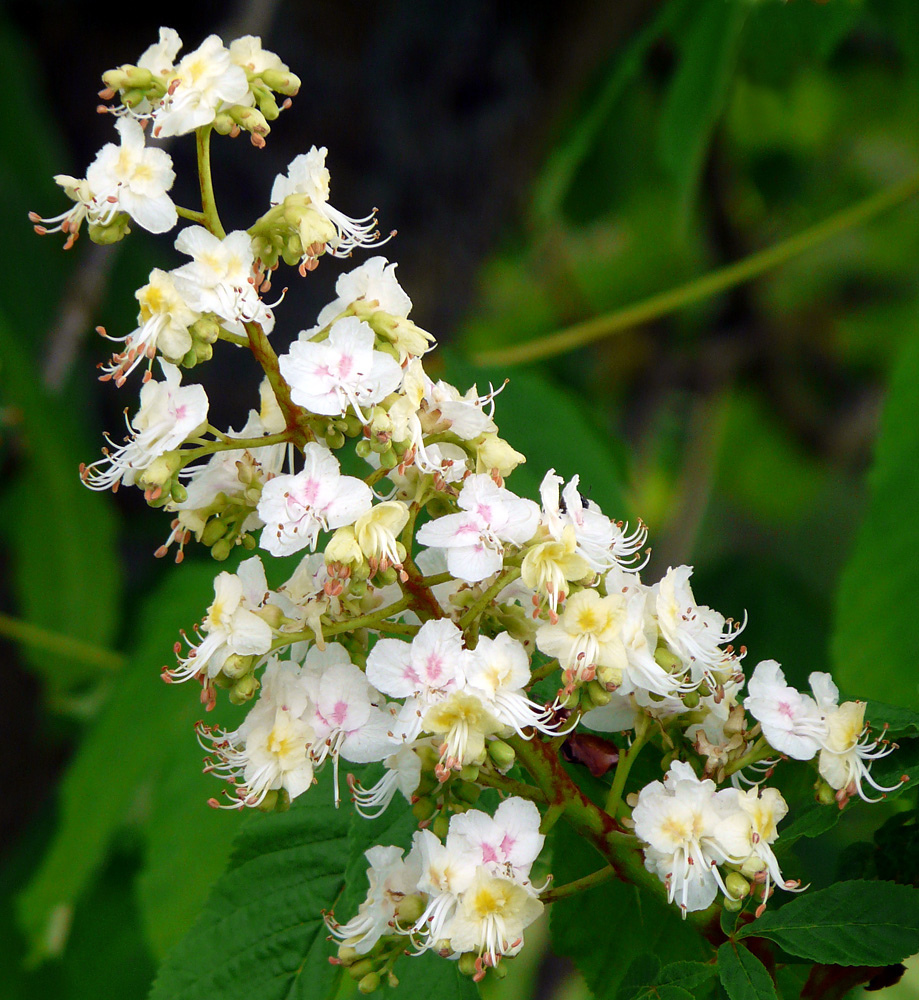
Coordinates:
(741, 429)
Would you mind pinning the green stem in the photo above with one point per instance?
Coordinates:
(551, 816)
(235, 444)
(701, 288)
(625, 762)
(475, 610)
(232, 338)
(759, 751)
(192, 215)
(374, 619)
(546, 670)
(578, 885)
(491, 779)
(211, 218)
(53, 642)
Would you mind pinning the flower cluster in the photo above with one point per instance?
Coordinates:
(438, 630)
(469, 897)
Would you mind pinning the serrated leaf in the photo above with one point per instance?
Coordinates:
(699, 89)
(888, 720)
(642, 971)
(567, 440)
(179, 869)
(621, 921)
(873, 611)
(743, 975)
(689, 975)
(261, 935)
(850, 923)
(141, 722)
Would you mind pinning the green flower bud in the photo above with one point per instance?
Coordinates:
(466, 791)
(598, 694)
(466, 964)
(269, 802)
(691, 699)
(409, 909)
(362, 449)
(502, 754)
(244, 689)
(737, 885)
(221, 549)
(214, 530)
(732, 905)
(469, 773)
(826, 796)
(667, 659)
(440, 826)
(281, 81)
(362, 968)
(423, 809)
(347, 955)
(236, 666)
(179, 493)
(752, 866)
(369, 983)
(203, 352)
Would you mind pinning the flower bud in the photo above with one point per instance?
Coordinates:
(115, 231)
(214, 530)
(599, 696)
(752, 866)
(281, 81)
(369, 983)
(493, 452)
(502, 755)
(236, 666)
(221, 549)
(423, 809)
(466, 791)
(732, 905)
(268, 803)
(691, 699)
(826, 796)
(440, 826)
(409, 909)
(470, 772)
(244, 689)
(610, 677)
(667, 659)
(342, 548)
(360, 969)
(737, 885)
(466, 963)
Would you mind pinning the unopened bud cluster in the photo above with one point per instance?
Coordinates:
(429, 599)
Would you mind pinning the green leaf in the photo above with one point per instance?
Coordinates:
(873, 610)
(743, 975)
(904, 761)
(261, 935)
(812, 820)
(689, 975)
(699, 89)
(71, 529)
(897, 721)
(180, 867)
(139, 725)
(622, 922)
(563, 162)
(641, 973)
(430, 976)
(850, 923)
(566, 440)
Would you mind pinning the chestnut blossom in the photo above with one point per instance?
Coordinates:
(307, 176)
(231, 625)
(295, 508)
(204, 81)
(344, 370)
(507, 844)
(169, 415)
(221, 278)
(793, 723)
(475, 538)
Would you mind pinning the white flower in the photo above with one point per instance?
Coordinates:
(600, 541)
(498, 670)
(163, 323)
(491, 918)
(391, 879)
(231, 625)
(847, 749)
(169, 414)
(445, 875)
(463, 721)
(588, 634)
(694, 632)
(506, 845)
(425, 671)
(374, 281)
(793, 723)
(549, 566)
(308, 175)
(204, 81)
(330, 375)
(318, 498)
(221, 278)
(248, 53)
(679, 820)
(403, 772)
(748, 833)
(475, 539)
(134, 179)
